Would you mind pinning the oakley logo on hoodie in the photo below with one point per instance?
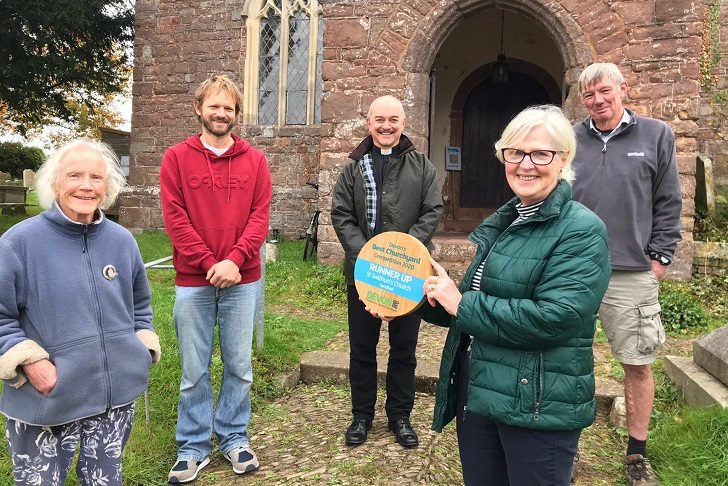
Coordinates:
(234, 182)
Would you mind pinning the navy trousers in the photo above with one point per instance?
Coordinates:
(363, 338)
(496, 454)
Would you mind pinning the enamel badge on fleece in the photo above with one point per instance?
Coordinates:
(109, 272)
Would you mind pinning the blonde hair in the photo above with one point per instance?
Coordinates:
(48, 173)
(216, 84)
(554, 121)
(598, 71)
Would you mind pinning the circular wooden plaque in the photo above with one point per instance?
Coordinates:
(390, 273)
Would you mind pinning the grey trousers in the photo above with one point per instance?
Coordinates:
(42, 455)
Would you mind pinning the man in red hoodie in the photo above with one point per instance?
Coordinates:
(216, 194)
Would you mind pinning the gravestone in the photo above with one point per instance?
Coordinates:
(711, 353)
(4, 176)
(271, 252)
(29, 179)
(704, 378)
(704, 185)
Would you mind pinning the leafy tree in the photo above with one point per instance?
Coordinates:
(14, 158)
(62, 59)
(86, 123)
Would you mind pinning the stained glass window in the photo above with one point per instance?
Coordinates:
(284, 66)
(269, 72)
(297, 89)
(319, 66)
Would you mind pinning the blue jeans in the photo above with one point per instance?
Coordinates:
(196, 310)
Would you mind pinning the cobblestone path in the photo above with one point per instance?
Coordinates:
(299, 438)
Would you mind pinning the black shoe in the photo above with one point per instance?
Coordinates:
(404, 433)
(356, 434)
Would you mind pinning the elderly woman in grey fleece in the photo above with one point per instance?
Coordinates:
(76, 336)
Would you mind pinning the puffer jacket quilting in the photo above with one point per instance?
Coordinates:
(533, 320)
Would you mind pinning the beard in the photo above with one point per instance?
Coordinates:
(207, 123)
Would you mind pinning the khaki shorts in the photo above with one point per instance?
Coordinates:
(630, 315)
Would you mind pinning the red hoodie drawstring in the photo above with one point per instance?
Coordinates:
(230, 163)
(209, 169)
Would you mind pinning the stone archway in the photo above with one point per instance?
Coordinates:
(399, 46)
(554, 25)
(438, 24)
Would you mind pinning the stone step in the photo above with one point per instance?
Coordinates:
(456, 249)
(699, 388)
(456, 271)
(710, 352)
(333, 367)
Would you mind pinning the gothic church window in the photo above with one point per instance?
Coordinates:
(283, 83)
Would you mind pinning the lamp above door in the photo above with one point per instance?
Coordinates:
(500, 68)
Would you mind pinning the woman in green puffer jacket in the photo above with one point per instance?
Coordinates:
(517, 369)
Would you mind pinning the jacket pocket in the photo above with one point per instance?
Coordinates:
(538, 375)
(651, 333)
(526, 382)
(530, 385)
(129, 362)
(80, 389)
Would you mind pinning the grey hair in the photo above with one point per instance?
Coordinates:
(598, 71)
(388, 98)
(554, 121)
(47, 178)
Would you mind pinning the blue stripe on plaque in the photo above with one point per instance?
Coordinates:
(394, 281)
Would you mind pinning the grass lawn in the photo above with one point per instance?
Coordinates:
(32, 208)
(691, 447)
(290, 284)
(306, 306)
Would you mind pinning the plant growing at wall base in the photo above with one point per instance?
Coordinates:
(681, 311)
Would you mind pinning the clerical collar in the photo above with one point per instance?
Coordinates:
(391, 151)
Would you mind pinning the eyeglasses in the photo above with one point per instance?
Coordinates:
(538, 157)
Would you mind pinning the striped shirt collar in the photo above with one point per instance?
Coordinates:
(525, 212)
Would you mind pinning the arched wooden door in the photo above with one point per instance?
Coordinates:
(480, 187)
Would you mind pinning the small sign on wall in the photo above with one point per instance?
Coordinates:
(452, 158)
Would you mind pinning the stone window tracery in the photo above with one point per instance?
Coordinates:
(283, 83)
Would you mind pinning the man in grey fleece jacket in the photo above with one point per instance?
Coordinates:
(627, 174)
